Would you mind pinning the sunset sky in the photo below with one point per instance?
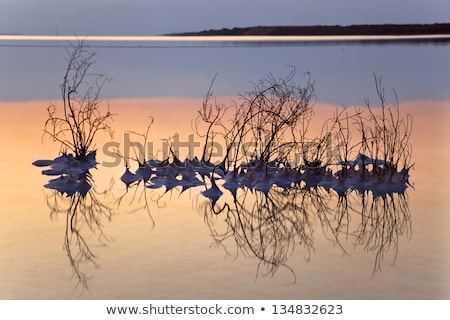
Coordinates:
(139, 17)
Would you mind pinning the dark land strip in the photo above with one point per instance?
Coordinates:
(324, 30)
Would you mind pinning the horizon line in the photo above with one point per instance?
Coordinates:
(206, 38)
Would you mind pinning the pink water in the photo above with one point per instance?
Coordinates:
(176, 257)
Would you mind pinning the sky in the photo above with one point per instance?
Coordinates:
(154, 17)
(186, 71)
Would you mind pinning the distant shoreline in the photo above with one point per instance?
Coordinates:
(326, 30)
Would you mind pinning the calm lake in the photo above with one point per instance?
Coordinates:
(146, 243)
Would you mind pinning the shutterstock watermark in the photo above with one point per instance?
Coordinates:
(115, 152)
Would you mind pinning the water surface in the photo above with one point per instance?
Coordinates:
(152, 245)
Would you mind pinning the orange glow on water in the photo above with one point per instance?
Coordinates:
(181, 244)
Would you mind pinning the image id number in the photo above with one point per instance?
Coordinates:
(307, 309)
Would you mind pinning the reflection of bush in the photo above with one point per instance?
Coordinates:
(384, 218)
(84, 218)
(272, 226)
(266, 227)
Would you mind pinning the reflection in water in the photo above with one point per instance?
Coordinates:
(85, 214)
(139, 196)
(74, 194)
(270, 209)
(384, 218)
(270, 226)
(267, 224)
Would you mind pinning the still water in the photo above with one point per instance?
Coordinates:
(150, 244)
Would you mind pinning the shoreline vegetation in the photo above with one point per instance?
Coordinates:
(328, 30)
